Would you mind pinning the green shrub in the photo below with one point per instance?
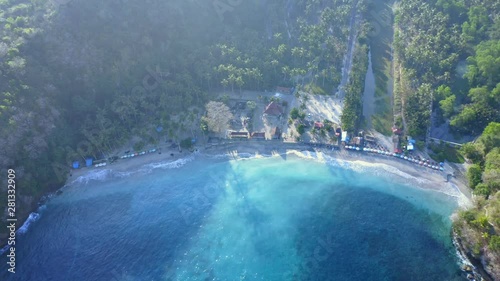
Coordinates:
(468, 215)
(494, 243)
(301, 129)
(474, 175)
(139, 146)
(481, 222)
(482, 189)
(186, 143)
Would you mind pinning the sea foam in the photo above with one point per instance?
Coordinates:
(93, 175)
(168, 164)
(33, 217)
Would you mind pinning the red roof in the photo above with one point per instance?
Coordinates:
(396, 130)
(273, 109)
(318, 125)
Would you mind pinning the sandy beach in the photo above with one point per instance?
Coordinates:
(387, 166)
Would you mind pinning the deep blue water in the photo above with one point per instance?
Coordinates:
(258, 219)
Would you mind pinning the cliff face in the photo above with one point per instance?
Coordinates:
(476, 240)
(491, 263)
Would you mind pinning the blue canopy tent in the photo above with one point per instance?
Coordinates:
(88, 162)
(76, 165)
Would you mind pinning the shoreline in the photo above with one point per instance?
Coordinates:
(424, 177)
(398, 169)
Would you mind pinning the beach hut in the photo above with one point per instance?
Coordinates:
(344, 137)
(76, 165)
(410, 147)
(259, 135)
(88, 162)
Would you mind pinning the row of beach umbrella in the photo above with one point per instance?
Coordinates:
(397, 155)
(138, 153)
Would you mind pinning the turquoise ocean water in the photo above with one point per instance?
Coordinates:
(253, 219)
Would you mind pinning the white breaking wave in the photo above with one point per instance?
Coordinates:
(93, 175)
(4, 249)
(168, 165)
(101, 175)
(381, 169)
(33, 217)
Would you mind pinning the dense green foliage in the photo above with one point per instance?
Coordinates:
(433, 41)
(479, 226)
(485, 154)
(352, 114)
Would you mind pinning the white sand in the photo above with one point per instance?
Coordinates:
(397, 169)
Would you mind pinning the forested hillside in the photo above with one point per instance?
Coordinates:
(478, 228)
(447, 54)
(80, 78)
(448, 62)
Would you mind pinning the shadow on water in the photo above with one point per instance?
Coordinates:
(127, 227)
(365, 234)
